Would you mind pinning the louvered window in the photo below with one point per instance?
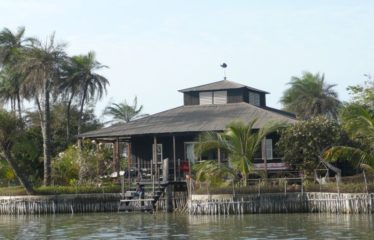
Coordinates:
(206, 98)
(220, 97)
(254, 98)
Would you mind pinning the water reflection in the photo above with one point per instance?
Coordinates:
(174, 226)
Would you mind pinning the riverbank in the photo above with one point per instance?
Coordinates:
(75, 203)
(198, 204)
(281, 203)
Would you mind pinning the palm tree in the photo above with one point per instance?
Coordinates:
(84, 82)
(41, 65)
(12, 46)
(124, 112)
(239, 141)
(68, 86)
(9, 131)
(310, 96)
(359, 124)
(213, 173)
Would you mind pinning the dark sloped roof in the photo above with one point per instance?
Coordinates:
(220, 85)
(194, 118)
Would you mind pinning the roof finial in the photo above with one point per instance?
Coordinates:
(224, 66)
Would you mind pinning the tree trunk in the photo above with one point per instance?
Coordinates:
(17, 171)
(46, 133)
(68, 119)
(19, 106)
(82, 167)
(80, 115)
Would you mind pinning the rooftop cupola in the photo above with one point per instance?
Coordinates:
(223, 92)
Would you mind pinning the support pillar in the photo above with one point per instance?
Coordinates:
(174, 160)
(129, 159)
(264, 157)
(219, 155)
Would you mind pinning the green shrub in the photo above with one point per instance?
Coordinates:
(78, 189)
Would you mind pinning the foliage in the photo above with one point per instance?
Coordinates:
(56, 190)
(302, 143)
(239, 141)
(213, 173)
(10, 131)
(310, 96)
(12, 45)
(363, 94)
(77, 189)
(6, 173)
(84, 82)
(67, 164)
(359, 123)
(124, 112)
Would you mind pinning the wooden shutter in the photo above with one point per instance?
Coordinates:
(220, 97)
(254, 98)
(206, 98)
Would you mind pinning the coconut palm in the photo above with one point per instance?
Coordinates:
(310, 96)
(124, 112)
(41, 65)
(84, 82)
(12, 46)
(239, 141)
(359, 124)
(9, 131)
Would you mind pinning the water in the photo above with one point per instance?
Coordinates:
(175, 226)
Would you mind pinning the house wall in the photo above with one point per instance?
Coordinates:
(236, 96)
(141, 148)
(191, 98)
(233, 96)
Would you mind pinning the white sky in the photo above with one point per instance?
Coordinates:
(154, 48)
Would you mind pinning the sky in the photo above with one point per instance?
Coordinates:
(154, 48)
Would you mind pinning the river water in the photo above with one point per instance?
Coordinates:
(179, 226)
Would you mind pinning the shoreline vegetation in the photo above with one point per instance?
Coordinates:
(39, 152)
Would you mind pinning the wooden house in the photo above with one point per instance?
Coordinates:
(207, 107)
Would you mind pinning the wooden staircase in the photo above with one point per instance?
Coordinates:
(131, 202)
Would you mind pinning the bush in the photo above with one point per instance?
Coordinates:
(302, 143)
(66, 166)
(82, 189)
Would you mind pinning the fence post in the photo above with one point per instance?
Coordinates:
(123, 185)
(366, 182)
(302, 185)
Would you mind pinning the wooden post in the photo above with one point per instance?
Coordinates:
(174, 160)
(264, 157)
(114, 156)
(117, 166)
(129, 159)
(366, 182)
(219, 155)
(155, 159)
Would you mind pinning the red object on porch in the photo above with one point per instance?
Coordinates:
(184, 167)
